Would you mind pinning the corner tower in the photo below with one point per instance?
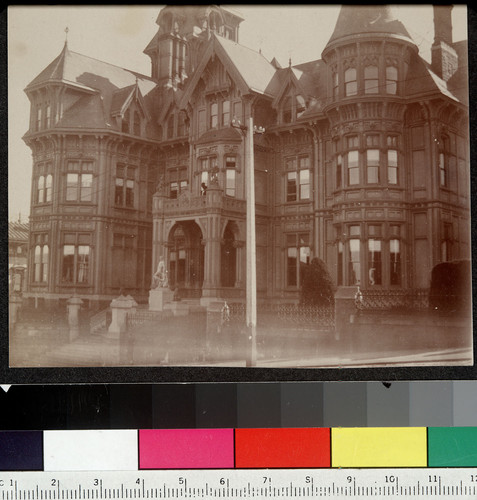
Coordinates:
(368, 56)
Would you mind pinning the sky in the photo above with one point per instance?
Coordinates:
(119, 34)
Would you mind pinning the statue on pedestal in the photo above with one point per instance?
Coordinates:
(159, 278)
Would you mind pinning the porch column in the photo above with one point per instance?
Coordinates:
(211, 286)
(240, 261)
(159, 248)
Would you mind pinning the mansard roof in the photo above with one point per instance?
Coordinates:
(86, 113)
(106, 88)
(71, 67)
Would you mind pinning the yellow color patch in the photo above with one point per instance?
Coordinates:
(379, 447)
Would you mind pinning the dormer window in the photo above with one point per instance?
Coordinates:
(287, 110)
(125, 123)
(137, 123)
(292, 107)
(182, 126)
(225, 113)
(214, 115)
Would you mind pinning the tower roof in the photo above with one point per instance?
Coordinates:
(361, 20)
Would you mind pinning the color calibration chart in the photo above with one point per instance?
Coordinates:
(408, 462)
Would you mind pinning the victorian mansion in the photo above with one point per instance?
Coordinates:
(364, 161)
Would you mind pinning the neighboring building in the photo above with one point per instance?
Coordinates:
(18, 237)
(364, 162)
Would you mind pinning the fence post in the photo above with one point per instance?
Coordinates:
(119, 308)
(74, 306)
(345, 313)
(213, 342)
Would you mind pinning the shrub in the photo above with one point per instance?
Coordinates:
(451, 289)
(317, 287)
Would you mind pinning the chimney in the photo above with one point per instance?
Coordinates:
(444, 60)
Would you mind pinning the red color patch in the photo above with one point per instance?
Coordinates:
(268, 448)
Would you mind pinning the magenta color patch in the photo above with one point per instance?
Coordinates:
(186, 449)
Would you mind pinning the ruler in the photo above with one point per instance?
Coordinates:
(274, 484)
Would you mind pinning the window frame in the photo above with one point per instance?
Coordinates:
(297, 248)
(371, 82)
(77, 243)
(125, 186)
(351, 81)
(298, 185)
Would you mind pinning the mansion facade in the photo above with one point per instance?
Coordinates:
(364, 162)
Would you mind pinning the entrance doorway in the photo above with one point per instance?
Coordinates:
(186, 258)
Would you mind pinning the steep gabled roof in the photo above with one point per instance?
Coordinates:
(120, 98)
(250, 70)
(255, 69)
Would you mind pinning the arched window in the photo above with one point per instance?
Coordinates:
(40, 263)
(371, 83)
(48, 188)
(351, 84)
(41, 189)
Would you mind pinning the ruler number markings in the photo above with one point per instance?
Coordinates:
(231, 484)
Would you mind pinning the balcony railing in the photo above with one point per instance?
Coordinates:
(188, 203)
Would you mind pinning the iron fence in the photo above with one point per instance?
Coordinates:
(283, 314)
(392, 300)
(141, 316)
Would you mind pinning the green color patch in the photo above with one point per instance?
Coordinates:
(452, 446)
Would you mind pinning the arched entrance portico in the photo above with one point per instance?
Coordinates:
(186, 258)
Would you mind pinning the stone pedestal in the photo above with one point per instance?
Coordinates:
(159, 297)
(73, 306)
(120, 307)
(14, 306)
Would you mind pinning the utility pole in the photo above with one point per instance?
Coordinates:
(250, 248)
(250, 244)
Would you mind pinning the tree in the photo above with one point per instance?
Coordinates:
(317, 287)
(451, 287)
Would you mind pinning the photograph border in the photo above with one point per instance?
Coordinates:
(180, 374)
